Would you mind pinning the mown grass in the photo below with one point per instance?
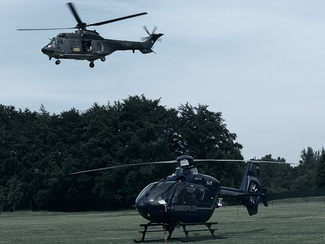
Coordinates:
(279, 223)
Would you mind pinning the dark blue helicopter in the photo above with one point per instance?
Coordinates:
(189, 198)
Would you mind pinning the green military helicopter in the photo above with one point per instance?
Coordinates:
(88, 45)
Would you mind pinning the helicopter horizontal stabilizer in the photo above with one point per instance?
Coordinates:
(145, 51)
(251, 201)
(263, 197)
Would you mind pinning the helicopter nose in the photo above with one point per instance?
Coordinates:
(46, 51)
(143, 208)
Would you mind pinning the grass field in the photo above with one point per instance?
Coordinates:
(279, 223)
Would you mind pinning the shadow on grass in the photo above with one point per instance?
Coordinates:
(194, 238)
(247, 232)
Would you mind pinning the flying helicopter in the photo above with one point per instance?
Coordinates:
(86, 44)
(189, 198)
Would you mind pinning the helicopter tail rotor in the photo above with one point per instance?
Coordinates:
(153, 36)
(150, 40)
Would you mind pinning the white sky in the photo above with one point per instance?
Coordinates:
(260, 63)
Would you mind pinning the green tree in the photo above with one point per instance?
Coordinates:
(320, 173)
(305, 173)
(138, 130)
(275, 177)
(39, 150)
(203, 134)
(2, 198)
(15, 194)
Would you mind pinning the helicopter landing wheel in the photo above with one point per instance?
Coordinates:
(91, 64)
(103, 59)
(57, 62)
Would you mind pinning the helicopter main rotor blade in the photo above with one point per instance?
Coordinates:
(81, 25)
(76, 16)
(117, 19)
(175, 162)
(122, 166)
(240, 160)
(218, 160)
(63, 28)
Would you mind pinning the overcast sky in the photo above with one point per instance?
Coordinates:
(260, 63)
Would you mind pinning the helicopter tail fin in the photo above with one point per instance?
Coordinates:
(250, 192)
(149, 42)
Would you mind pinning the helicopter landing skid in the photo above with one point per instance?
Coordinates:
(207, 224)
(165, 227)
(170, 228)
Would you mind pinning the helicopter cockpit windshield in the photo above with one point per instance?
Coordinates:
(52, 43)
(157, 190)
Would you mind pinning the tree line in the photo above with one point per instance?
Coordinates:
(38, 151)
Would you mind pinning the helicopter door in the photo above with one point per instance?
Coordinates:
(86, 46)
(97, 46)
(190, 194)
(187, 194)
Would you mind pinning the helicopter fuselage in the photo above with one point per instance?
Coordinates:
(185, 196)
(89, 45)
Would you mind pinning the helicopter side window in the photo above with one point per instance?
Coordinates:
(72, 45)
(190, 194)
(186, 194)
(168, 194)
(201, 194)
(59, 43)
(178, 196)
